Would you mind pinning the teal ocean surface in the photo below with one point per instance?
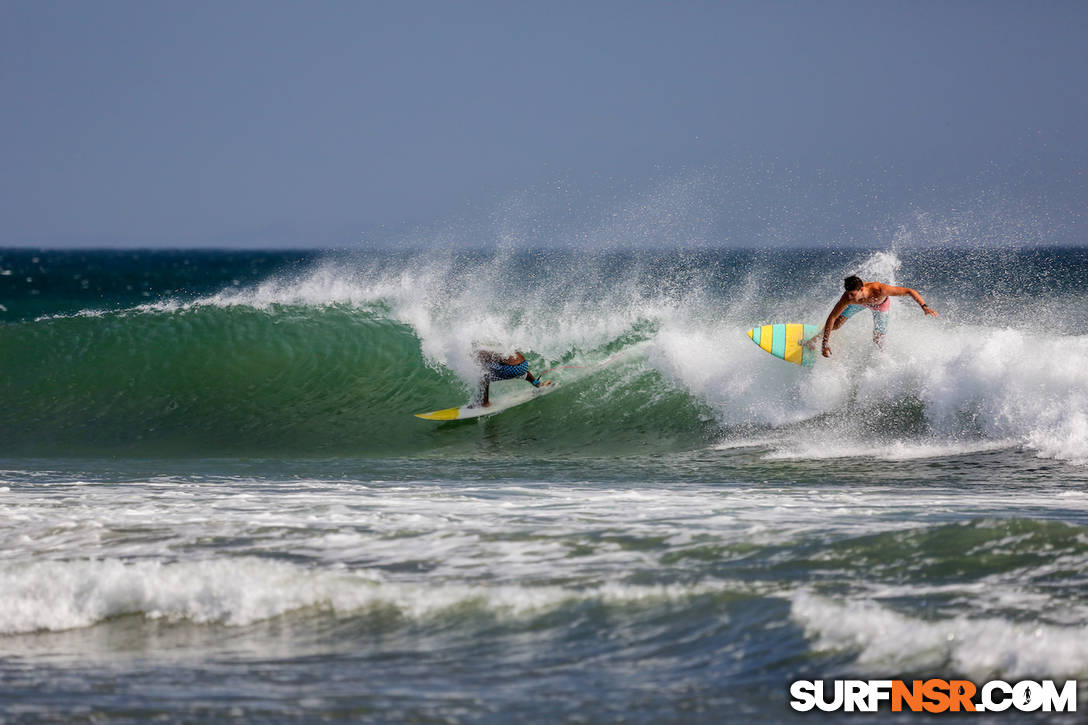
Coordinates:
(216, 504)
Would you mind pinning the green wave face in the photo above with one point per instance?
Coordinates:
(296, 380)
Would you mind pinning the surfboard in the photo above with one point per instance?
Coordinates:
(498, 405)
(783, 340)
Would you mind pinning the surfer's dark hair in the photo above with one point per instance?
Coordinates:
(852, 283)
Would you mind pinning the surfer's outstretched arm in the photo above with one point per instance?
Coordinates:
(907, 291)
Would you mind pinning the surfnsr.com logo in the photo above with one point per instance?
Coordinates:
(933, 695)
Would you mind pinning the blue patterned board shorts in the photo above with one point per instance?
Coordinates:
(499, 371)
(880, 317)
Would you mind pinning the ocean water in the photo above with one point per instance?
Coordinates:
(217, 506)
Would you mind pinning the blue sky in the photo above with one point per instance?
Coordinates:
(335, 123)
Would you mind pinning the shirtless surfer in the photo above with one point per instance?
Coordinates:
(860, 295)
(497, 366)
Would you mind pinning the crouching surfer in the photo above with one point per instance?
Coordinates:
(497, 366)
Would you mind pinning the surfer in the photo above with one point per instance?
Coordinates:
(497, 366)
(859, 295)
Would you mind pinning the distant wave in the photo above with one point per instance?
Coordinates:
(60, 595)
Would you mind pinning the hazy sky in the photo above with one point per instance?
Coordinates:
(324, 123)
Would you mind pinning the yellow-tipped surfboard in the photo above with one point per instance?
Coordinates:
(785, 341)
(497, 404)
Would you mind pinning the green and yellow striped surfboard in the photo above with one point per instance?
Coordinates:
(784, 340)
